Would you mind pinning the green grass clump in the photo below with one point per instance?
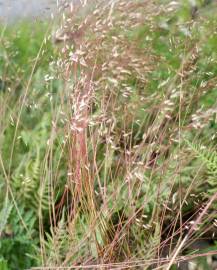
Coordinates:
(108, 141)
(25, 124)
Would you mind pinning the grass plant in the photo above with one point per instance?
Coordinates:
(108, 138)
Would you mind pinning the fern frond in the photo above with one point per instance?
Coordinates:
(57, 242)
(206, 155)
(27, 183)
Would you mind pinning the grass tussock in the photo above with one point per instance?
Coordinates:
(108, 152)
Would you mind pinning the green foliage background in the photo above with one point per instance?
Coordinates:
(26, 158)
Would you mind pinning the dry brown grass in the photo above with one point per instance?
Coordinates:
(125, 146)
